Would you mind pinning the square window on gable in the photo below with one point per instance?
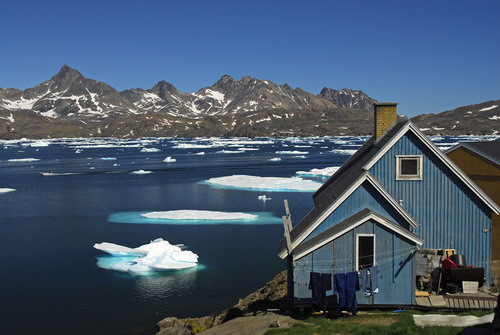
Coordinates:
(409, 167)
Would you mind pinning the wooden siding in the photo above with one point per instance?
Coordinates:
(486, 174)
(474, 164)
(366, 196)
(450, 215)
(393, 257)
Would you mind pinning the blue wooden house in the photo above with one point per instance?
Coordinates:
(396, 194)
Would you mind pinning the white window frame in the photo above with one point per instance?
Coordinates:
(420, 167)
(374, 248)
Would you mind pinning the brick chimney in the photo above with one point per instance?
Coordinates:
(385, 117)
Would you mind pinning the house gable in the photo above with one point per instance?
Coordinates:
(451, 213)
(366, 192)
(447, 164)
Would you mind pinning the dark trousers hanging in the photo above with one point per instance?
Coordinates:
(319, 283)
(346, 285)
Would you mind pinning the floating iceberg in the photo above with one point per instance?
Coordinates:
(275, 159)
(229, 152)
(6, 190)
(294, 152)
(344, 151)
(119, 250)
(199, 215)
(157, 255)
(195, 217)
(272, 184)
(141, 172)
(328, 171)
(150, 150)
(108, 158)
(39, 144)
(23, 160)
(263, 198)
(169, 159)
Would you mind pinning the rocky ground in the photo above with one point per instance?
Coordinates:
(255, 314)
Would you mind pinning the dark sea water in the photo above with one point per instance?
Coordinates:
(49, 280)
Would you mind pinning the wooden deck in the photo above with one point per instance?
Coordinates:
(458, 301)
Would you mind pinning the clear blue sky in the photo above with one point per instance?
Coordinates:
(427, 55)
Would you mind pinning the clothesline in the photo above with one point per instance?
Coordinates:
(396, 252)
(383, 255)
(335, 267)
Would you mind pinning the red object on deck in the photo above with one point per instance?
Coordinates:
(448, 264)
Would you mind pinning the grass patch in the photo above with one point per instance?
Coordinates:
(365, 324)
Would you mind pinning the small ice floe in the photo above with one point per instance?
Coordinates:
(293, 152)
(201, 153)
(344, 151)
(157, 255)
(108, 158)
(328, 171)
(267, 184)
(263, 198)
(275, 159)
(169, 159)
(141, 172)
(23, 160)
(78, 151)
(150, 150)
(230, 152)
(51, 174)
(186, 214)
(6, 190)
(39, 144)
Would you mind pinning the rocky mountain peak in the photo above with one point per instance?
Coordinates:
(66, 74)
(226, 83)
(163, 87)
(348, 98)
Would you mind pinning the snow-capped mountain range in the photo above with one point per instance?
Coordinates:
(69, 95)
(71, 105)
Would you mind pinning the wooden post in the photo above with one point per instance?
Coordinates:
(287, 225)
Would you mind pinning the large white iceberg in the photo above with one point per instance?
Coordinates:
(157, 255)
(255, 183)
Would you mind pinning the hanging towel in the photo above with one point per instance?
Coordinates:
(352, 285)
(369, 281)
(373, 280)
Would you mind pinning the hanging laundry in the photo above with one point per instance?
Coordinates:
(319, 283)
(352, 285)
(345, 286)
(369, 281)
